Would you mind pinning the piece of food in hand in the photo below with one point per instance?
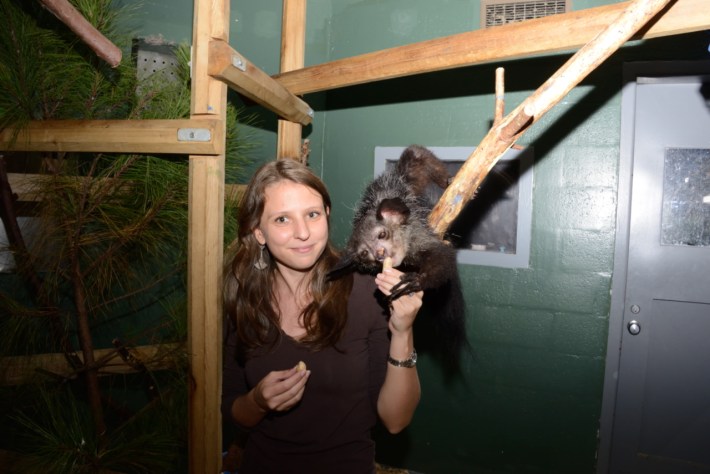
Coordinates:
(301, 366)
(386, 263)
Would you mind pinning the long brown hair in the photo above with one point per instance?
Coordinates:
(248, 292)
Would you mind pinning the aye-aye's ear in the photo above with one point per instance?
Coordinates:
(393, 210)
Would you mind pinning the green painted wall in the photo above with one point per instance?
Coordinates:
(530, 399)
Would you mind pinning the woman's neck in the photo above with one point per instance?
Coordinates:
(292, 296)
(292, 281)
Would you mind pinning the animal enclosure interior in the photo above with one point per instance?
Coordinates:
(218, 67)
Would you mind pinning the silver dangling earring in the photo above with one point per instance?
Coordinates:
(261, 263)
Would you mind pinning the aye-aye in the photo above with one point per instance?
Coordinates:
(391, 221)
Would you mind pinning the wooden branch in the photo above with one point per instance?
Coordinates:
(293, 52)
(116, 136)
(18, 370)
(98, 43)
(502, 136)
(551, 34)
(499, 110)
(500, 96)
(238, 73)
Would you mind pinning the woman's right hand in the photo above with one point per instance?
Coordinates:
(280, 390)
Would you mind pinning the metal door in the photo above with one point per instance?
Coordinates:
(661, 413)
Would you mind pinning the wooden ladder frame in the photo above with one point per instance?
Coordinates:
(216, 67)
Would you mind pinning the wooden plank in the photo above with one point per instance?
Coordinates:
(293, 52)
(551, 34)
(115, 136)
(205, 248)
(229, 66)
(205, 254)
(207, 94)
(17, 370)
(288, 144)
(25, 186)
(502, 136)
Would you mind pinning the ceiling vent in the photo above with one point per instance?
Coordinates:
(500, 12)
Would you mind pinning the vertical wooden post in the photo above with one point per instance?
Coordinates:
(293, 46)
(205, 247)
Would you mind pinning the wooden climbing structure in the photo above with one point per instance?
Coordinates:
(596, 33)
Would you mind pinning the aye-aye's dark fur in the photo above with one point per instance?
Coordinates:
(391, 221)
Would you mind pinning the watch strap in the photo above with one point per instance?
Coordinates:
(408, 363)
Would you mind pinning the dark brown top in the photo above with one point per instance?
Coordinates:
(329, 430)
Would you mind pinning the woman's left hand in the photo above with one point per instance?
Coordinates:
(404, 309)
(400, 393)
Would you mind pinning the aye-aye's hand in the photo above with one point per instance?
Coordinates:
(404, 309)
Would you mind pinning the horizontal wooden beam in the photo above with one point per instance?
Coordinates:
(25, 187)
(551, 34)
(237, 72)
(184, 136)
(18, 370)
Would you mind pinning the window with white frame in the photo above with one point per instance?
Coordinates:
(494, 228)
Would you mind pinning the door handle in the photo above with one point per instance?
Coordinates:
(634, 327)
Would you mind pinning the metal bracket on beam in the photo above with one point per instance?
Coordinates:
(194, 135)
(239, 63)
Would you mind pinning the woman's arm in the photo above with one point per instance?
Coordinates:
(401, 391)
(278, 391)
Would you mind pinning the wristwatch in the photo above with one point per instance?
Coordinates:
(408, 363)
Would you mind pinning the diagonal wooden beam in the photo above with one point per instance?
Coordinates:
(116, 136)
(238, 73)
(551, 34)
(70, 16)
(468, 179)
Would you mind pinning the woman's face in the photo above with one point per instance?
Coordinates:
(294, 225)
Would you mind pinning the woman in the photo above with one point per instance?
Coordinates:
(282, 310)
